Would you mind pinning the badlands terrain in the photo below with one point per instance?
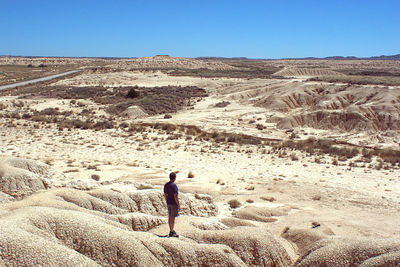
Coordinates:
(279, 162)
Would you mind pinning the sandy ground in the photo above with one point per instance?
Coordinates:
(353, 201)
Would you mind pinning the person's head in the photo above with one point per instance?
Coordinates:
(172, 176)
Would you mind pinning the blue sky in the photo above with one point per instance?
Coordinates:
(226, 28)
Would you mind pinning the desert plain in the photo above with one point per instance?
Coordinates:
(278, 162)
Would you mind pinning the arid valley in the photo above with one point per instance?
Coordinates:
(279, 162)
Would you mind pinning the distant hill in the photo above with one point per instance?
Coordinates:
(228, 58)
(392, 57)
(341, 58)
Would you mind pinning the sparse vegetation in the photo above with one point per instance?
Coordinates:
(132, 93)
(95, 177)
(270, 199)
(250, 187)
(247, 70)
(293, 157)
(356, 79)
(234, 203)
(222, 104)
(316, 197)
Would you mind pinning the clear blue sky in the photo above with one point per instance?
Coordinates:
(226, 28)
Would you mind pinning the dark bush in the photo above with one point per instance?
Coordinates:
(26, 116)
(49, 111)
(222, 104)
(132, 93)
(124, 125)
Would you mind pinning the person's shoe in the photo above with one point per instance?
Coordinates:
(173, 234)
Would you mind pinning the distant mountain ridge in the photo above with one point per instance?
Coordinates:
(383, 57)
(391, 57)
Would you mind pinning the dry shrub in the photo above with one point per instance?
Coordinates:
(123, 125)
(190, 174)
(132, 93)
(359, 79)
(270, 199)
(169, 127)
(222, 104)
(49, 111)
(311, 145)
(379, 164)
(192, 131)
(250, 187)
(234, 203)
(260, 127)
(174, 136)
(167, 116)
(316, 197)
(293, 157)
(390, 156)
(95, 177)
(220, 139)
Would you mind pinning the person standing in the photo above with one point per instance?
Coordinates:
(171, 197)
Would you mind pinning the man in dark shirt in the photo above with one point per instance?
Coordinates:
(171, 196)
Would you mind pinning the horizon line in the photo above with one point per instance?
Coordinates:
(397, 57)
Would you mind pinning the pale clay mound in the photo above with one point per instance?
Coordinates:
(70, 227)
(22, 177)
(167, 62)
(345, 252)
(134, 112)
(322, 105)
(48, 236)
(302, 238)
(332, 107)
(65, 226)
(319, 247)
(297, 72)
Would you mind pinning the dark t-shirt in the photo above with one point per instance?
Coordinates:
(170, 189)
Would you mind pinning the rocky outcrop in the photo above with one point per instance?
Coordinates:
(318, 246)
(134, 112)
(254, 246)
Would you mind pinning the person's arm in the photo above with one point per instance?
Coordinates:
(165, 193)
(177, 201)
